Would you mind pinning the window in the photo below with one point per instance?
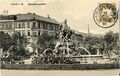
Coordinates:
(19, 25)
(0, 25)
(7, 26)
(23, 25)
(15, 24)
(28, 24)
(10, 25)
(34, 24)
(39, 25)
(51, 27)
(28, 33)
(56, 27)
(34, 33)
(3, 26)
(39, 33)
(45, 26)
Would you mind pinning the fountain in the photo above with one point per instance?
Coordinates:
(85, 50)
(63, 48)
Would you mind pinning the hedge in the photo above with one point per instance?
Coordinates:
(59, 66)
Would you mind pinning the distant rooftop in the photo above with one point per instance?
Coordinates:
(29, 16)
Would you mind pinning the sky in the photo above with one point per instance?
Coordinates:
(79, 13)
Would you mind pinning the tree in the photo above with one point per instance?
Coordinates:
(46, 41)
(5, 41)
(92, 43)
(18, 45)
(111, 40)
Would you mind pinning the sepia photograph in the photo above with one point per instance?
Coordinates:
(59, 38)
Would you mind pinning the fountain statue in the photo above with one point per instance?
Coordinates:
(64, 42)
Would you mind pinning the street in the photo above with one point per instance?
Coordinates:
(111, 72)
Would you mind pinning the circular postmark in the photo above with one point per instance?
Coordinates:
(105, 15)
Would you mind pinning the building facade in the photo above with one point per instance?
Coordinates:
(28, 24)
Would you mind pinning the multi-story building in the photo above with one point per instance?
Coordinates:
(28, 24)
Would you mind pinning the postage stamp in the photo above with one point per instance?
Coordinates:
(105, 15)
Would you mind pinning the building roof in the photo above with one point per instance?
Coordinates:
(29, 16)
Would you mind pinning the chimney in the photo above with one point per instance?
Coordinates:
(34, 13)
(48, 16)
(65, 21)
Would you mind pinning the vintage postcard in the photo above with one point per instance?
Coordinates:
(60, 37)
